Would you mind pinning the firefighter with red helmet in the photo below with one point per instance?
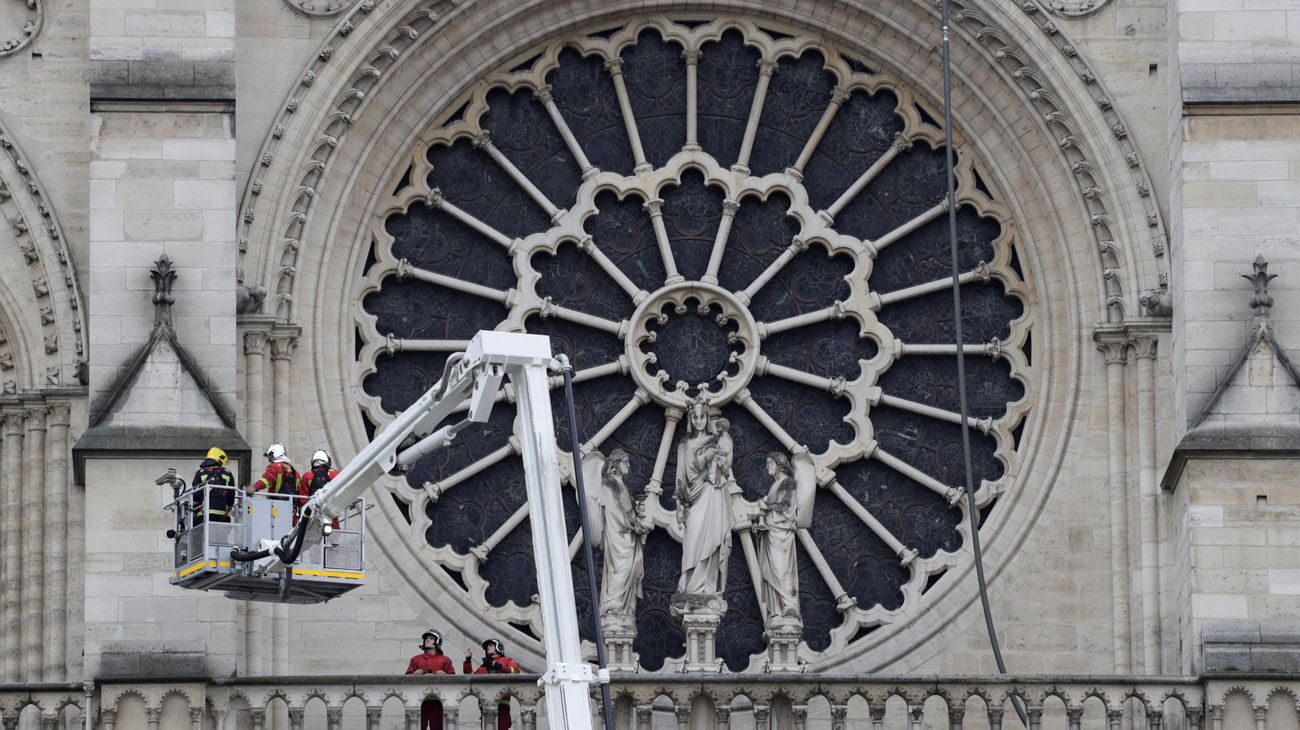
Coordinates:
(495, 662)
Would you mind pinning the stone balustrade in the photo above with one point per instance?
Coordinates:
(670, 702)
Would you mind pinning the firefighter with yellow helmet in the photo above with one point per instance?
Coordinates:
(220, 488)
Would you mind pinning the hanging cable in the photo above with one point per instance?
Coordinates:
(606, 702)
(971, 510)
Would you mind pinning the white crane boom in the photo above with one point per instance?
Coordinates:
(477, 376)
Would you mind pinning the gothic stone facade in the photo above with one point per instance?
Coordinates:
(738, 203)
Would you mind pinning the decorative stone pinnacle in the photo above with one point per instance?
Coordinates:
(163, 277)
(1261, 300)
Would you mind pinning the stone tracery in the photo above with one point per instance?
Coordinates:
(648, 213)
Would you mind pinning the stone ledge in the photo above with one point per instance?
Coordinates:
(1233, 439)
(162, 79)
(1268, 645)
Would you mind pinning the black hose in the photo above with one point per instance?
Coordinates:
(971, 509)
(240, 555)
(295, 540)
(606, 701)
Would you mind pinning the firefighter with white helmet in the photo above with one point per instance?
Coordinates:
(322, 473)
(280, 477)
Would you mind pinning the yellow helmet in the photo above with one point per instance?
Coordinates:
(219, 455)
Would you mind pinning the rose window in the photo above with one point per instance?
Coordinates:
(707, 209)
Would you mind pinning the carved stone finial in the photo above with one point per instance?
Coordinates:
(1261, 300)
(163, 277)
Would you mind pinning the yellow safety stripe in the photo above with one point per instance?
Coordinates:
(199, 566)
(329, 573)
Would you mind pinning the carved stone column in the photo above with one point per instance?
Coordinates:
(33, 552)
(528, 716)
(54, 648)
(644, 717)
(253, 613)
(783, 637)
(1145, 350)
(800, 712)
(840, 712)
(619, 637)
(153, 716)
(334, 718)
(257, 717)
(1075, 717)
(108, 718)
(413, 718)
(701, 627)
(295, 718)
(374, 715)
(450, 716)
(282, 347)
(995, 717)
(1115, 353)
(11, 480)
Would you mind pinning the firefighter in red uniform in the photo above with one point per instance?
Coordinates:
(280, 477)
(430, 660)
(322, 473)
(495, 662)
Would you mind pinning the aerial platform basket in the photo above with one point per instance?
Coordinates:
(202, 544)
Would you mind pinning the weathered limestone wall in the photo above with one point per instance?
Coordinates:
(43, 104)
(1236, 183)
(136, 623)
(162, 182)
(1238, 50)
(1127, 44)
(1236, 528)
(143, 49)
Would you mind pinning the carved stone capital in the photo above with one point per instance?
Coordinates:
(60, 414)
(543, 94)
(1145, 346)
(255, 343)
(692, 55)
(1114, 351)
(282, 346)
(34, 418)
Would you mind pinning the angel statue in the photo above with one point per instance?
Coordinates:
(619, 527)
(787, 507)
(703, 485)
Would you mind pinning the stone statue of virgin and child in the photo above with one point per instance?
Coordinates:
(705, 485)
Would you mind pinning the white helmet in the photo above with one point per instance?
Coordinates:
(276, 452)
(321, 457)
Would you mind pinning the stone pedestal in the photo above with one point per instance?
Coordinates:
(783, 636)
(701, 614)
(620, 633)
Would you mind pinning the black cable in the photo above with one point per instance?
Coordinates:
(971, 510)
(599, 633)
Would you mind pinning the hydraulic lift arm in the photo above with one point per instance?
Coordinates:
(476, 377)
